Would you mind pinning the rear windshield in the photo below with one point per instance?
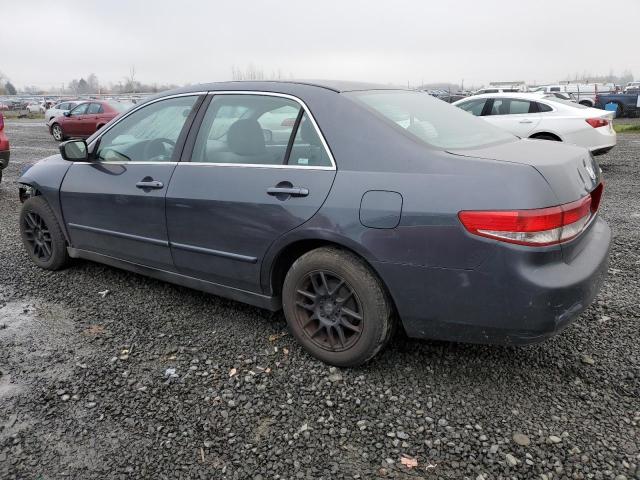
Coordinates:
(430, 120)
(553, 98)
(120, 106)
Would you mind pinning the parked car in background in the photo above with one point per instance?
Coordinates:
(482, 91)
(632, 86)
(5, 151)
(35, 107)
(583, 93)
(626, 104)
(85, 118)
(378, 205)
(530, 115)
(59, 109)
(4, 107)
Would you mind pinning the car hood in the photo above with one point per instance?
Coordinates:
(570, 171)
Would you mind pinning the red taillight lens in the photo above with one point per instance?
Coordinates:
(597, 122)
(538, 227)
(1, 122)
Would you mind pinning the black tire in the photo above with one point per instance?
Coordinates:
(58, 133)
(42, 236)
(619, 110)
(316, 322)
(545, 136)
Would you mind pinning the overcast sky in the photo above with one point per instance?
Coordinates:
(46, 42)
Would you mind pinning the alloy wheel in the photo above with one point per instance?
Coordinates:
(38, 236)
(57, 132)
(329, 311)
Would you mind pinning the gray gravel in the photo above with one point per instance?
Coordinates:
(150, 380)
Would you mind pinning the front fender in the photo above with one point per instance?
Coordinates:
(46, 178)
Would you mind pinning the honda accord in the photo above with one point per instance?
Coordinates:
(354, 208)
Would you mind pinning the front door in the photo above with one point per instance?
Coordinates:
(258, 169)
(115, 204)
(73, 123)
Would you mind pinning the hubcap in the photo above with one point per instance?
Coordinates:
(57, 133)
(329, 311)
(38, 236)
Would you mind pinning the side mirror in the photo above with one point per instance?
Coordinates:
(67, 113)
(74, 150)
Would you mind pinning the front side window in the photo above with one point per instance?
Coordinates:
(247, 129)
(149, 134)
(474, 107)
(80, 109)
(430, 120)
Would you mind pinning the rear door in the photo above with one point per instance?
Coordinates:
(515, 115)
(91, 119)
(114, 205)
(257, 168)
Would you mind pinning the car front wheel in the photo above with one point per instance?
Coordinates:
(41, 235)
(56, 131)
(336, 307)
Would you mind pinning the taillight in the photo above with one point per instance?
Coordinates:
(1, 122)
(538, 227)
(597, 122)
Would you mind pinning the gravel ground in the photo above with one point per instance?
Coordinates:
(150, 380)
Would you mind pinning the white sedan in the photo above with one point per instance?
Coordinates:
(531, 115)
(59, 109)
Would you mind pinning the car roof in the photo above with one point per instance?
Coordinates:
(338, 86)
(523, 95)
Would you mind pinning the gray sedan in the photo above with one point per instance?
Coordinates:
(354, 208)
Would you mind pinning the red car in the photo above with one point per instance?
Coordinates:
(4, 147)
(85, 119)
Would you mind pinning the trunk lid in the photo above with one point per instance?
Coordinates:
(570, 171)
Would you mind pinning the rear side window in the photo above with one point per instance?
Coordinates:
(430, 120)
(258, 130)
(94, 109)
(512, 106)
(473, 106)
(62, 106)
(543, 107)
(307, 148)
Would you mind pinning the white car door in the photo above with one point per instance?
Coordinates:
(514, 115)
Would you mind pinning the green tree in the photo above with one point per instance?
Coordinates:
(11, 90)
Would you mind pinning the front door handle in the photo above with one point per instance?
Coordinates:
(526, 121)
(293, 191)
(150, 184)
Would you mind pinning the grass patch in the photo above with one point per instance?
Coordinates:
(627, 128)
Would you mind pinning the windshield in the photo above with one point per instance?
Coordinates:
(430, 120)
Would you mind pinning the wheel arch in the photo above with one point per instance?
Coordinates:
(546, 133)
(281, 256)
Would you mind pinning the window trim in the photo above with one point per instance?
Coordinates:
(96, 141)
(197, 122)
(304, 107)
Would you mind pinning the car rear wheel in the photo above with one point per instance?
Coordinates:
(336, 307)
(56, 131)
(41, 235)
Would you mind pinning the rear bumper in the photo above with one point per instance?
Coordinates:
(517, 296)
(4, 158)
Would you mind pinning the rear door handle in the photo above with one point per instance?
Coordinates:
(293, 191)
(526, 121)
(150, 184)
